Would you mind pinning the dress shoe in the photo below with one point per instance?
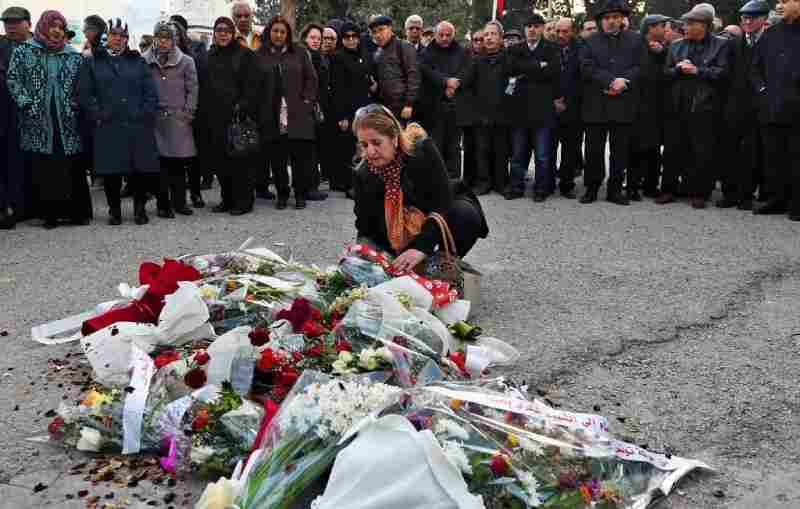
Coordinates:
(634, 195)
(513, 195)
(7, 221)
(140, 215)
(266, 194)
(166, 213)
(745, 205)
(316, 195)
(539, 197)
(771, 207)
(569, 194)
(726, 203)
(650, 193)
(197, 201)
(482, 189)
(240, 212)
(221, 208)
(184, 211)
(590, 196)
(115, 218)
(665, 198)
(698, 202)
(282, 203)
(618, 198)
(300, 203)
(794, 216)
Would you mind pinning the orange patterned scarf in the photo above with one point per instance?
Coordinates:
(402, 223)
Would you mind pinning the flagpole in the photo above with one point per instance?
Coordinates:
(494, 10)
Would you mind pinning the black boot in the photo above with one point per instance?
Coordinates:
(7, 221)
(772, 206)
(114, 216)
(140, 215)
(590, 196)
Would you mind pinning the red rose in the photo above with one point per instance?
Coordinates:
(166, 358)
(55, 427)
(499, 465)
(195, 378)
(343, 346)
(315, 351)
(297, 315)
(316, 314)
(288, 377)
(259, 336)
(202, 358)
(459, 360)
(312, 329)
(201, 420)
(268, 360)
(279, 393)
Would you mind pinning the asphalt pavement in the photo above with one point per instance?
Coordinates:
(680, 325)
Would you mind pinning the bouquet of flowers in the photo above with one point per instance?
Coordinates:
(306, 434)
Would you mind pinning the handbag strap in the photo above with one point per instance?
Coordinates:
(448, 243)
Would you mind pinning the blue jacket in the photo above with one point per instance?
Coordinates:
(28, 85)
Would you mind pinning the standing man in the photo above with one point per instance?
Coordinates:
(610, 66)
(696, 71)
(242, 15)
(466, 115)
(414, 26)
(589, 27)
(743, 145)
(396, 69)
(533, 113)
(776, 80)
(442, 63)
(16, 187)
(645, 160)
(675, 30)
(569, 128)
(428, 33)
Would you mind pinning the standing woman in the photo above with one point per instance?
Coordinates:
(350, 72)
(297, 85)
(176, 80)
(312, 36)
(119, 96)
(230, 65)
(42, 79)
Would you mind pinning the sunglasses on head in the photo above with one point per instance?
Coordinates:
(373, 108)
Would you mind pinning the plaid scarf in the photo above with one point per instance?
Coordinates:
(402, 223)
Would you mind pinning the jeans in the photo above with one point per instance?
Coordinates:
(525, 140)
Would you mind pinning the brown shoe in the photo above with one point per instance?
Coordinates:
(698, 202)
(665, 198)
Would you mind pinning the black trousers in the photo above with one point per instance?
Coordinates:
(782, 169)
(465, 221)
(470, 157)
(236, 182)
(447, 136)
(492, 152)
(644, 169)
(138, 184)
(569, 137)
(689, 151)
(341, 171)
(172, 188)
(197, 172)
(301, 154)
(619, 136)
(744, 162)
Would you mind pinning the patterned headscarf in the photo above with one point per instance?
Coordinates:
(42, 32)
(402, 223)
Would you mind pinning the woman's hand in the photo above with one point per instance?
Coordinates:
(408, 260)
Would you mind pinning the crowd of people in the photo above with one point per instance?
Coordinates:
(675, 106)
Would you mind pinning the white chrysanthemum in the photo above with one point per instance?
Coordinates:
(451, 429)
(531, 446)
(456, 455)
(531, 485)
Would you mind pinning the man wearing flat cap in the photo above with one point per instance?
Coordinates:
(697, 71)
(395, 68)
(610, 64)
(743, 145)
(16, 189)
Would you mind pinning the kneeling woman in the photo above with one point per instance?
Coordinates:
(400, 182)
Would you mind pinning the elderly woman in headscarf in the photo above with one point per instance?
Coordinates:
(175, 75)
(231, 66)
(42, 79)
(119, 96)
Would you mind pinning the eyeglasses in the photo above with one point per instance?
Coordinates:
(350, 36)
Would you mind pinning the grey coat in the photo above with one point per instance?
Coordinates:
(177, 102)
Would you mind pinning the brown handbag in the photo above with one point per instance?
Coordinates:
(445, 264)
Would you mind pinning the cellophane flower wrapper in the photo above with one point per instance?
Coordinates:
(306, 434)
(519, 453)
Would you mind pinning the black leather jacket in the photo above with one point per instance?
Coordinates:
(701, 92)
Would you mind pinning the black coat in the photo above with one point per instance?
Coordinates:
(425, 186)
(740, 106)
(704, 91)
(605, 57)
(571, 86)
(649, 131)
(322, 65)
(776, 75)
(398, 77)
(230, 71)
(263, 96)
(120, 99)
(531, 105)
(351, 78)
(438, 64)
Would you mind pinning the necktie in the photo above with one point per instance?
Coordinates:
(750, 40)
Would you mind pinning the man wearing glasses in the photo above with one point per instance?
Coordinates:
(414, 27)
(395, 68)
(743, 147)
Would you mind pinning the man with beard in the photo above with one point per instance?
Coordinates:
(442, 63)
(610, 65)
(743, 145)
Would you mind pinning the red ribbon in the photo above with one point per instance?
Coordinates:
(440, 290)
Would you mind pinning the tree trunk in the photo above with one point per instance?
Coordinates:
(289, 11)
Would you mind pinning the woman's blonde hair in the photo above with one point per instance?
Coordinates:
(379, 118)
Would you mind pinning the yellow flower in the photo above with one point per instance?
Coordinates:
(512, 440)
(95, 398)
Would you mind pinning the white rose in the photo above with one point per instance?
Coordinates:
(218, 495)
(346, 357)
(200, 454)
(340, 367)
(365, 357)
(91, 440)
(385, 354)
